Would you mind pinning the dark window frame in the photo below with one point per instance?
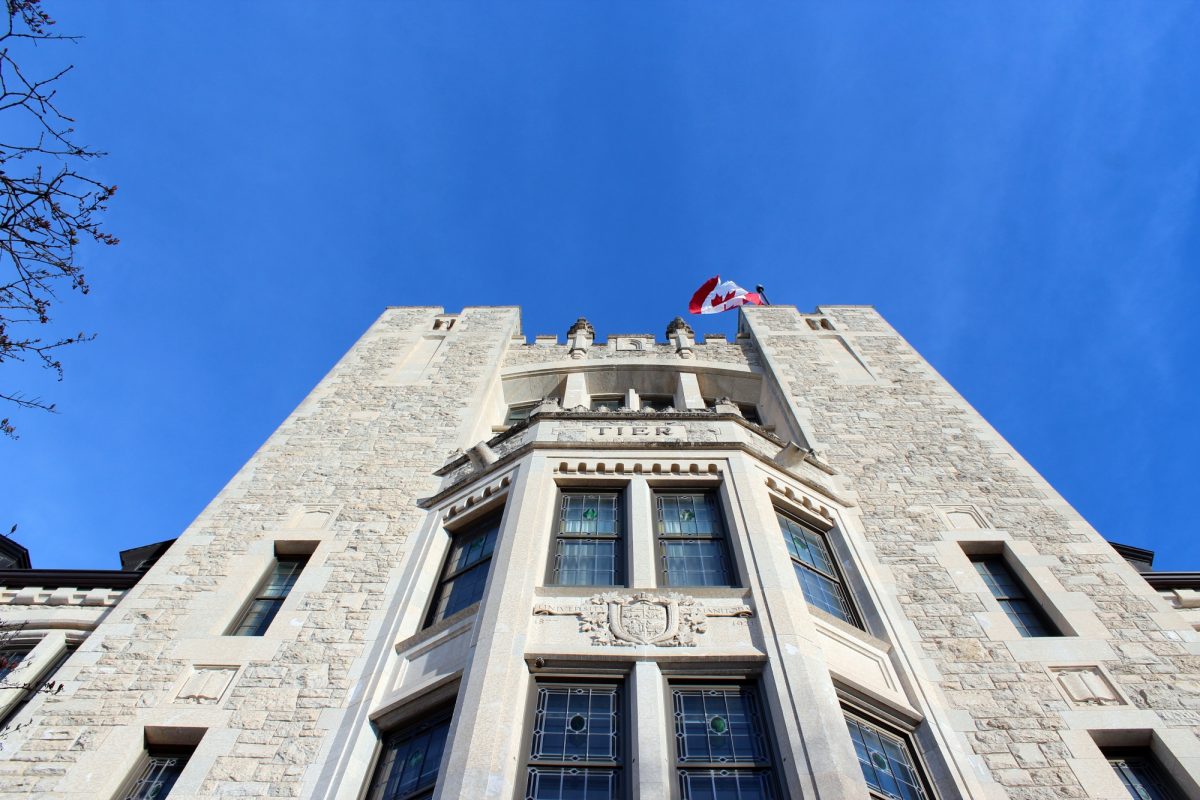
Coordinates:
(656, 402)
(661, 538)
(159, 758)
(1139, 763)
(914, 763)
(393, 739)
(767, 762)
(614, 402)
(837, 578)
(266, 595)
(624, 731)
(489, 523)
(621, 569)
(1012, 603)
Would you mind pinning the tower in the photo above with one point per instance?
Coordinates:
(792, 565)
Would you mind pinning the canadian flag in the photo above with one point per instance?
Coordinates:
(714, 297)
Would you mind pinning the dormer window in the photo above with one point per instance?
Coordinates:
(518, 414)
(656, 402)
(607, 402)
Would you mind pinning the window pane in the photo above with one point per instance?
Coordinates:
(612, 403)
(589, 514)
(410, 760)
(806, 545)
(473, 547)
(695, 563)
(1004, 585)
(158, 777)
(283, 577)
(575, 723)
(258, 617)
(461, 591)
(586, 562)
(571, 783)
(718, 725)
(714, 784)
(11, 658)
(823, 593)
(885, 761)
(1143, 779)
(686, 515)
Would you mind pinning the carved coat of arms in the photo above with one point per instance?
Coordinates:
(645, 618)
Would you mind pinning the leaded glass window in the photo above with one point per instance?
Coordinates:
(408, 765)
(1141, 775)
(815, 569)
(1021, 609)
(465, 572)
(270, 596)
(589, 545)
(722, 748)
(10, 659)
(576, 752)
(886, 762)
(159, 774)
(691, 540)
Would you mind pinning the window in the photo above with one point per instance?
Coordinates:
(11, 657)
(270, 596)
(605, 402)
(691, 540)
(1012, 596)
(722, 747)
(886, 762)
(815, 569)
(408, 765)
(1141, 774)
(656, 402)
(750, 412)
(466, 570)
(577, 746)
(30, 689)
(518, 414)
(162, 769)
(589, 544)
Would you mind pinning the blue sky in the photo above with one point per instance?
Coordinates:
(1014, 185)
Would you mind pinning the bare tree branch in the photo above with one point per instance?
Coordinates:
(48, 206)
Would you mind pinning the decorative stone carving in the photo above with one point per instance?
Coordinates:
(963, 517)
(1086, 686)
(682, 336)
(206, 685)
(315, 516)
(645, 618)
(580, 337)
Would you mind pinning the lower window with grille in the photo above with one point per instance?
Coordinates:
(577, 752)
(158, 774)
(723, 747)
(887, 761)
(1141, 774)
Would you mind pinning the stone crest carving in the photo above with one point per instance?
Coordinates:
(644, 618)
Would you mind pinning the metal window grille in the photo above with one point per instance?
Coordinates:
(816, 571)
(465, 572)
(886, 762)
(691, 540)
(576, 752)
(721, 744)
(1021, 609)
(1142, 777)
(408, 765)
(158, 776)
(589, 545)
(270, 596)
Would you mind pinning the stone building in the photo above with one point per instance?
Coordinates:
(792, 565)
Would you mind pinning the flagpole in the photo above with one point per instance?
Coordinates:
(763, 294)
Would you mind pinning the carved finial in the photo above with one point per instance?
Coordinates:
(678, 324)
(581, 326)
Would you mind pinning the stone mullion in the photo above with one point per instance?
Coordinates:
(818, 761)
(649, 734)
(642, 547)
(488, 738)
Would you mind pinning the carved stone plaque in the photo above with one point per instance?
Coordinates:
(644, 618)
(206, 685)
(1086, 686)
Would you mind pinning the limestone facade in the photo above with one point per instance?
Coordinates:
(863, 523)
